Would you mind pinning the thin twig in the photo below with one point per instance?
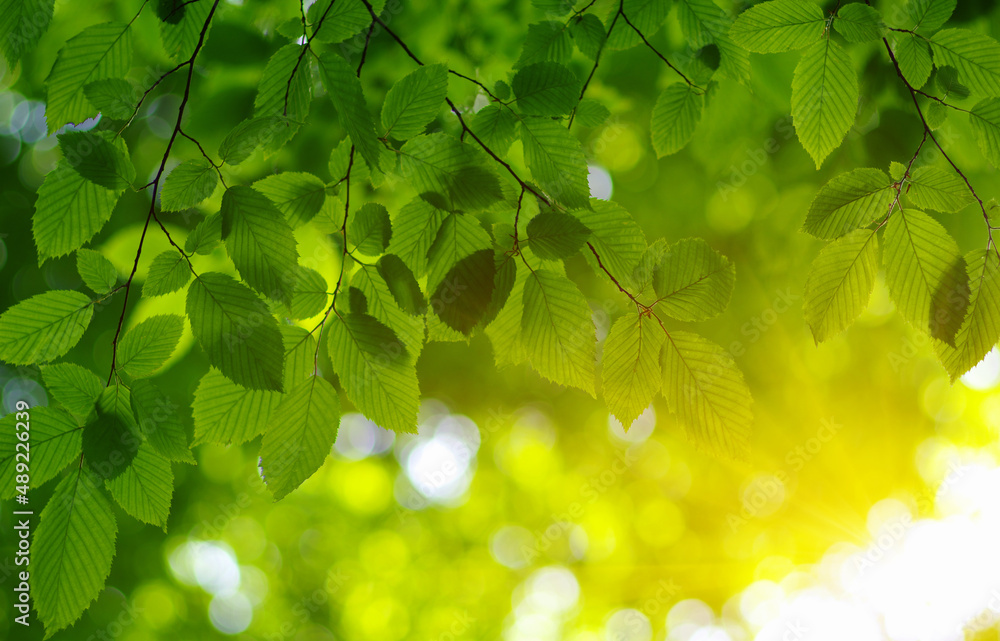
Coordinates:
(343, 258)
(929, 132)
(305, 48)
(216, 167)
(621, 11)
(156, 183)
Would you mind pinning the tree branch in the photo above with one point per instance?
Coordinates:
(928, 132)
(156, 182)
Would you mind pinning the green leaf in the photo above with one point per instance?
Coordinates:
(402, 284)
(370, 230)
(985, 121)
(926, 274)
(75, 388)
(160, 422)
(96, 271)
(449, 173)
(236, 330)
(225, 412)
(344, 18)
(416, 225)
(631, 366)
(43, 327)
(22, 24)
(591, 113)
(206, 235)
(840, 283)
(588, 33)
(98, 52)
(167, 273)
(309, 293)
(73, 547)
(933, 188)
(300, 354)
(459, 236)
(557, 330)
(274, 86)
(975, 56)
(501, 89)
(897, 170)
(374, 370)
(297, 194)
(980, 330)
(505, 329)
(462, 298)
(496, 126)
(553, 7)
(188, 184)
(381, 304)
(67, 197)
(147, 346)
(734, 61)
(260, 242)
(250, 135)
(824, 98)
(180, 38)
(145, 487)
(858, 22)
(414, 101)
(675, 117)
(616, 237)
(927, 16)
(702, 22)
(111, 442)
(556, 161)
(344, 89)
(54, 441)
(706, 390)
(97, 159)
(935, 115)
(693, 282)
(546, 89)
(554, 236)
(849, 201)
(778, 25)
(913, 57)
(356, 301)
(299, 435)
(547, 41)
(947, 81)
(114, 98)
(646, 15)
(170, 11)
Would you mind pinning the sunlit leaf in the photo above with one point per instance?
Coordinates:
(840, 283)
(374, 370)
(926, 274)
(43, 327)
(236, 330)
(706, 390)
(824, 98)
(299, 435)
(557, 330)
(630, 367)
(73, 546)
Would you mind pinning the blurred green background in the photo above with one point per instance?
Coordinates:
(521, 511)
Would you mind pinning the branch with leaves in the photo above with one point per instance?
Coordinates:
(497, 204)
(954, 299)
